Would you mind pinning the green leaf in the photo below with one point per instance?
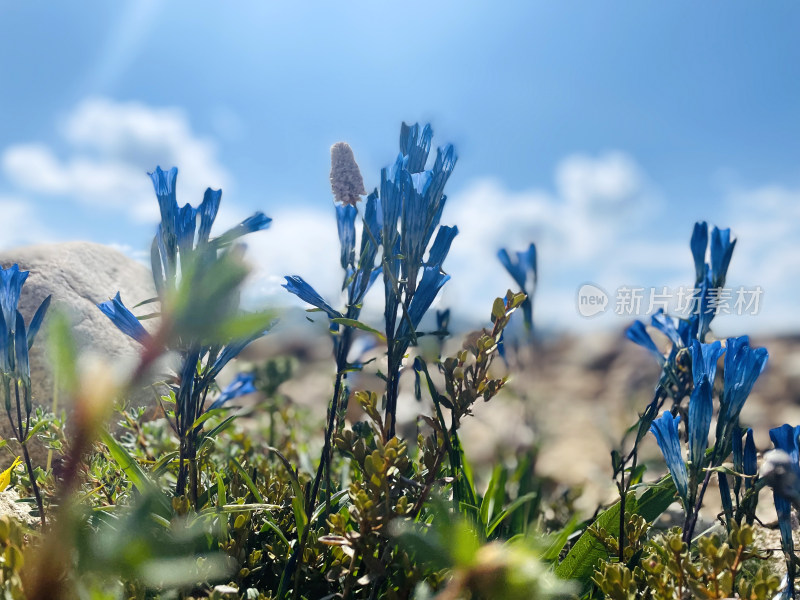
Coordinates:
(495, 496)
(335, 499)
(519, 502)
(359, 325)
(580, 562)
(498, 309)
(160, 466)
(136, 474)
(248, 481)
(559, 539)
(37, 428)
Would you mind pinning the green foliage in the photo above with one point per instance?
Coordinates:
(664, 568)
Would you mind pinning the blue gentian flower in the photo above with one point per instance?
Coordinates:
(432, 281)
(705, 312)
(665, 429)
(423, 203)
(666, 325)
(415, 145)
(124, 319)
(701, 409)
(11, 282)
(441, 245)
(523, 270)
(704, 361)
(785, 438)
(346, 226)
(721, 252)
(743, 365)
(298, 286)
(11, 335)
(688, 329)
(242, 384)
(699, 245)
(22, 367)
(637, 333)
(750, 462)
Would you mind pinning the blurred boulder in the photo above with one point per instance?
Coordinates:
(79, 275)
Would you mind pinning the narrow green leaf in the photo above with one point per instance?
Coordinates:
(248, 481)
(37, 428)
(135, 473)
(519, 502)
(359, 325)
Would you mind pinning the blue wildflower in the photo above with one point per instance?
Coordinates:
(432, 281)
(15, 338)
(11, 282)
(750, 459)
(22, 367)
(785, 438)
(298, 286)
(743, 365)
(637, 333)
(666, 325)
(415, 145)
(523, 270)
(124, 319)
(704, 361)
(721, 252)
(242, 384)
(346, 226)
(699, 245)
(665, 429)
(441, 245)
(183, 242)
(701, 410)
(703, 307)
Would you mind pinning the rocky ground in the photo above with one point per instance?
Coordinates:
(573, 397)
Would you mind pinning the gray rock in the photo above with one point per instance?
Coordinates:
(79, 275)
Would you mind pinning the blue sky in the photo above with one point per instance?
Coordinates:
(600, 130)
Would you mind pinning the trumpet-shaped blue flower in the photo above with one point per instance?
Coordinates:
(22, 367)
(522, 269)
(721, 252)
(11, 282)
(699, 245)
(701, 409)
(750, 459)
(124, 319)
(298, 286)
(665, 429)
(242, 384)
(15, 338)
(179, 231)
(415, 145)
(704, 361)
(432, 281)
(785, 438)
(423, 202)
(743, 365)
(346, 226)
(666, 325)
(637, 333)
(441, 245)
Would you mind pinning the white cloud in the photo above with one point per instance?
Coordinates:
(766, 221)
(110, 148)
(19, 225)
(585, 231)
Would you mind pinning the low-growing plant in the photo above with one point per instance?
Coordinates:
(239, 502)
